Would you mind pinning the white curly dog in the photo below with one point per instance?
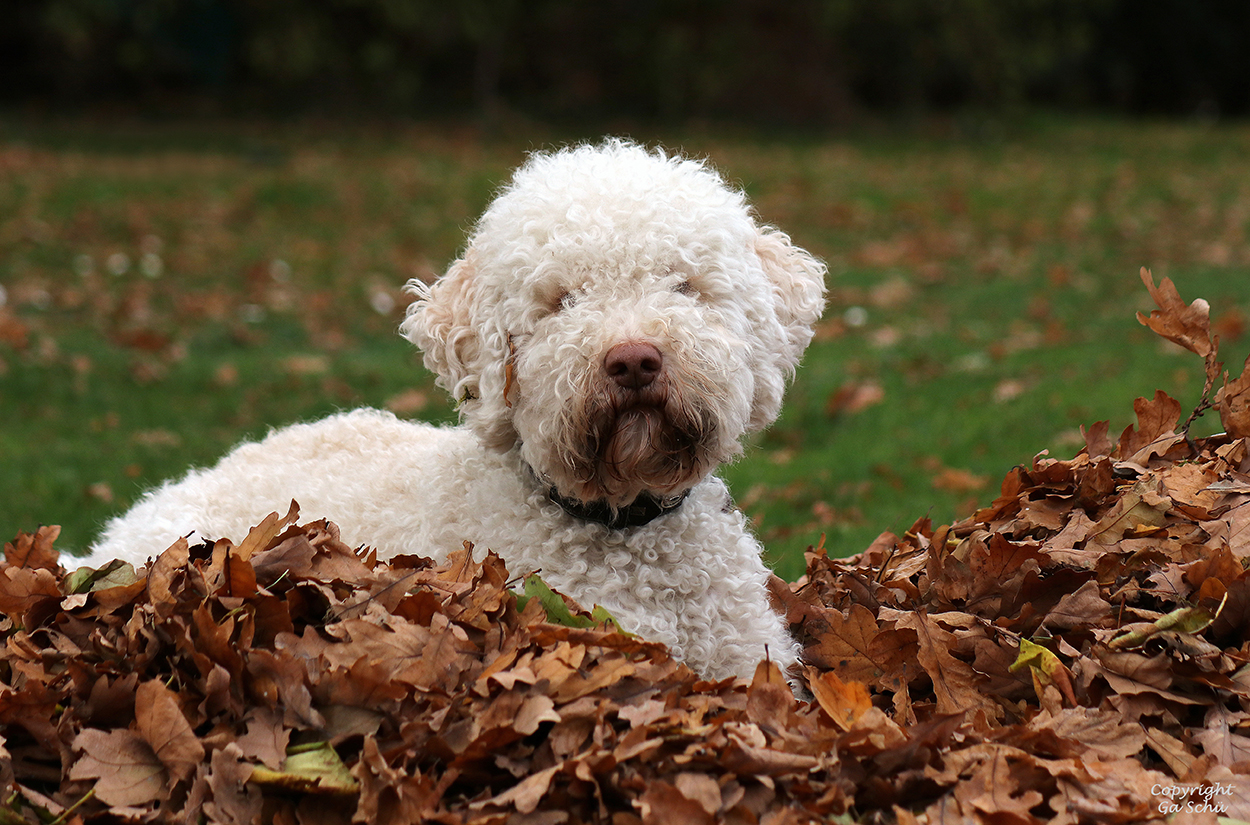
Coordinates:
(618, 322)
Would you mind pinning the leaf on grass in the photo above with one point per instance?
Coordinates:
(1058, 653)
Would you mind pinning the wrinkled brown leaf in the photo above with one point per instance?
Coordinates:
(126, 771)
(1188, 325)
(159, 720)
(34, 550)
(1234, 403)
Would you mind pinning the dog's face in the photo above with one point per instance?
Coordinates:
(621, 319)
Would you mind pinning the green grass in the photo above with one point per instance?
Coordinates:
(996, 281)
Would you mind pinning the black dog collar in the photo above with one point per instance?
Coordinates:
(644, 509)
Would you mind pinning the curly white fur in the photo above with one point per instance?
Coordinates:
(617, 323)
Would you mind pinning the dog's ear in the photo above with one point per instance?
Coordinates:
(798, 285)
(451, 321)
(798, 281)
(441, 322)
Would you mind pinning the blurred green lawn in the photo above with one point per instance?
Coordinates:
(170, 289)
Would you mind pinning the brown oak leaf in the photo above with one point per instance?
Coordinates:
(1233, 403)
(161, 723)
(34, 549)
(1188, 325)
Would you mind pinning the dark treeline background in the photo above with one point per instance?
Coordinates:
(794, 61)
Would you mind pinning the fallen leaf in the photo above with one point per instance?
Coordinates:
(1188, 325)
(34, 549)
(313, 768)
(1046, 669)
(163, 726)
(1233, 403)
(126, 770)
(845, 702)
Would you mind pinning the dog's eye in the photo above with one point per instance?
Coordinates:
(684, 288)
(565, 300)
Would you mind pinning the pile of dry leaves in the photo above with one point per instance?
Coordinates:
(1075, 652)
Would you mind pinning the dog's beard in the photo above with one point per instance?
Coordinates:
(635, 445)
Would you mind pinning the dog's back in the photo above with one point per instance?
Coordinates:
(369, 472)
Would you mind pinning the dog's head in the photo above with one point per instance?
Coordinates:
(620, 316)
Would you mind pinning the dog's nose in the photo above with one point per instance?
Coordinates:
(634, 364)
